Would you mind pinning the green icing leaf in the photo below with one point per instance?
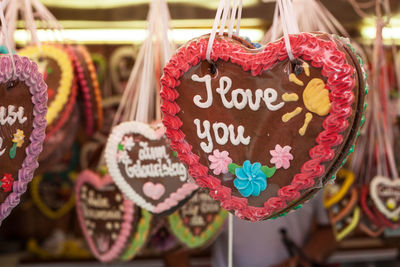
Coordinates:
(174, 153)
(13, 151)
(268, 171)
(120, 147)
(232, 167)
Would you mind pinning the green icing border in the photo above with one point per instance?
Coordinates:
(186, 237)
(140, 237)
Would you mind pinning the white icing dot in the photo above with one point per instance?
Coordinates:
(108, 226)
(116, 225)
(91, 193)
(114, 236)
(84, 188)
(90, 232)
(118, 197)
(121, 207)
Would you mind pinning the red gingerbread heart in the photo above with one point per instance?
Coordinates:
(261, 132)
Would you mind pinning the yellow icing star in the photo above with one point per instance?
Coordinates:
(19, 138)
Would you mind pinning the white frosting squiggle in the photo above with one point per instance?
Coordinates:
(227, 135)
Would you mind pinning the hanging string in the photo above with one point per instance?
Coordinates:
(31, 25)
(6, 37)
(214, 29)
(223, 11)
(230, 240)
(239, 17)
(233, 17)
(289, 25)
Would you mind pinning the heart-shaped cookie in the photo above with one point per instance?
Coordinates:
(104, 214)
(23, 107)
(89, 86)
(335, 192)
(140, 236)
(262, 133)
(198, 222)
(344, 227)
(386, 195)
(53, 193)
(55, 65)
(137, 155)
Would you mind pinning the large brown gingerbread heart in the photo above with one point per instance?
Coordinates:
(261, 132)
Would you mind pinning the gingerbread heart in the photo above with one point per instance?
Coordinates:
(143, 166)
(335, 192)
(105, 215)
(343, 228)
(89, 86)
(262, 133)
(23, 107)
(198, 222)
(367, 206)
(55, 65)
(386, 195)
(140, 236)
(53, 193)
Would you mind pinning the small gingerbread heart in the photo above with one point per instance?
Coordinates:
(386, 195)
(144, 167)
(105, 216)
(53, 193)
(198, 222)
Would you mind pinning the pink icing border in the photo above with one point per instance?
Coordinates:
(87, 176)
(322, 53)
(174, 199)
(26, 71)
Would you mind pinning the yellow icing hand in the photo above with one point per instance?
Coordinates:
(316, 97)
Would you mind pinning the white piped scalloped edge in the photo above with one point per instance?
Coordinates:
(110, 155)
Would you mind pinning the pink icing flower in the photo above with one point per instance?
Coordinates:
(219, 161)
(281, 156)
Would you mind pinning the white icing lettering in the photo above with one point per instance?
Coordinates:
(206, 133)
(239, 138)
(228, 134)
(161, 165)
(222, 90)
(269, 95)
(10, 116)
(1, 145)
(197, 98)
(224, 139)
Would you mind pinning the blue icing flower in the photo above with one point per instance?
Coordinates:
(250, 180)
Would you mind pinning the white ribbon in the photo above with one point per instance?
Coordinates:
(224, 8)
(6, 36)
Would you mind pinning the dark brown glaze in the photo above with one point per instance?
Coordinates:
(14, 93)
(55, 190)
(198, 212)
(358, 107)
(56, 145)
(97, 227)
(265, 127)
(52, 74)
(171, 183)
